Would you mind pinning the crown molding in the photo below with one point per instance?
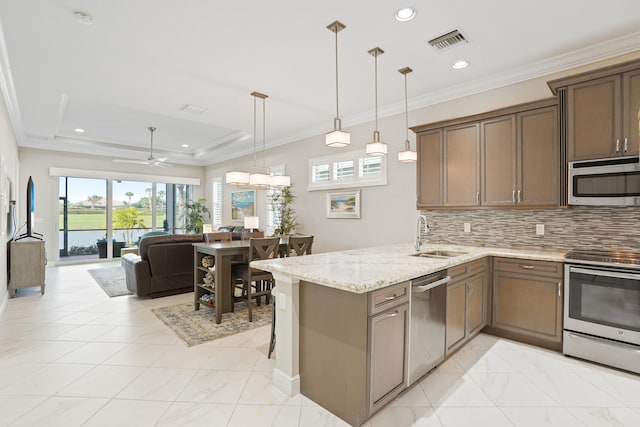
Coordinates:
(8, 91)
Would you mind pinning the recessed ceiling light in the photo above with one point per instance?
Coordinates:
(459, 65)
(185, 145)
(405, 14)
(79, 130)
(83, 18)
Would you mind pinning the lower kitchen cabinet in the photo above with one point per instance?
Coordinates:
(353, 348)
(527, 301)
(466, 303)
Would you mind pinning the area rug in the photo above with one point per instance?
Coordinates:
(197, 327)
(111, 280)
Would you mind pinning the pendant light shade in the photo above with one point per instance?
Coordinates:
(237, 178)
(407, 155)
(337, 137)
(376, 147)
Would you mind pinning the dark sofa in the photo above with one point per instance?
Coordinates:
(163, 266)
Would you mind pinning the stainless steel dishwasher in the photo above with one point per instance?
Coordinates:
(427, 324)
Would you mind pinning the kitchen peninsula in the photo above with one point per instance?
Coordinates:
(343, 318)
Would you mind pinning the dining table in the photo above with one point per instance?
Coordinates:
(224, 254)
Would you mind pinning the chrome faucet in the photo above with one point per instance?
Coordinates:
(421, 218)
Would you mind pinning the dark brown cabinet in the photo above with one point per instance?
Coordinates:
(601, 114)
(498, 160)
(467, 300)
(527, 301)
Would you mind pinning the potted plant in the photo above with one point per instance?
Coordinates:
(197, 214)
(127, 220)
(284, 217)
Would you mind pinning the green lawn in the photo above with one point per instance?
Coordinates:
(83, 221)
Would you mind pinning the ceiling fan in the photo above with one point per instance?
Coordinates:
(150, 161)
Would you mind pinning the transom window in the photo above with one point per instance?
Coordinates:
(345, 170)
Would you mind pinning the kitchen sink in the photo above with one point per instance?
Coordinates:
(439, 254)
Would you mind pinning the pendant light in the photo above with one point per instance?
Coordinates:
(258, 177)
(407, 155)
(337, 137)
(376, 147)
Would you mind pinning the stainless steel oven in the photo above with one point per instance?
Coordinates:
(602, 308)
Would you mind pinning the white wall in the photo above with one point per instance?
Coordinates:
(8, 150)
(388, 212)
(36, 163)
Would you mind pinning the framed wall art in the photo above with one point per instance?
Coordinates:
(243, 203)
(343, 204)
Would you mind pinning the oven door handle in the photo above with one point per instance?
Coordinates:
(616, 274)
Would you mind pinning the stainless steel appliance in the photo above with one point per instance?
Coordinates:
(427, 325)
(605, 182)
(602, 308)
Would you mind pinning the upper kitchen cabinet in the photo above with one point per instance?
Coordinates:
(429, 173)
(461, 165)
(601, 112)
(504, 158)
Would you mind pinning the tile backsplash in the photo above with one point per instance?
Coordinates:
(564, 229)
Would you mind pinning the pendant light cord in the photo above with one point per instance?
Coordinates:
(376, 87)
(337, 103)
(264, 131)
(254, 131)
(406, 108)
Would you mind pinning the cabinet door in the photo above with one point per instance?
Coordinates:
(461, 163)
(631, 112)
(498, 160)
(476, 314)
(538, 159)
(527, 304)
(429, 169)
(387, 343)
(594, 119)
(456, 314)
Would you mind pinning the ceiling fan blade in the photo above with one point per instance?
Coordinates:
(137, 162)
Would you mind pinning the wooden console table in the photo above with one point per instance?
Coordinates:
(27, 264)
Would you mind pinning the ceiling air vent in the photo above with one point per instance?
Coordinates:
(448, 40)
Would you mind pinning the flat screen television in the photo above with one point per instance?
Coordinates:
(30, 212)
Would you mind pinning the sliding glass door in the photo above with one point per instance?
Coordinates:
(98, 217)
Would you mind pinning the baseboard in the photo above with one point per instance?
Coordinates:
(285, 383)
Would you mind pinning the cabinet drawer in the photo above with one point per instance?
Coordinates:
(467, 269)
(539, 268)
(388, 297)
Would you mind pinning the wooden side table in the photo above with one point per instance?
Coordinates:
(129, 250)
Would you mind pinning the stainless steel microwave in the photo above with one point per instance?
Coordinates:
(605, 182)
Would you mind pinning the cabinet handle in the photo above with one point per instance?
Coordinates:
(469, 287)
(626, 144)
(392, 314)
(526, 267)
(519, 191)
(390, 297)
(513, 196)
(559, 287)
(617, 145)
(477, 197)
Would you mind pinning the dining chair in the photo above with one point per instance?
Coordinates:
(251, 278)
(298, 245)
(217, 236)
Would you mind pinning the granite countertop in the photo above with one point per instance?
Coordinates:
(365, 270)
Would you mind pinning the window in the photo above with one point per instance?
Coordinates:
(216, 212)
(346, 170)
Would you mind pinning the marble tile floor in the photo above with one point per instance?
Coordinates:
(75, 357)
